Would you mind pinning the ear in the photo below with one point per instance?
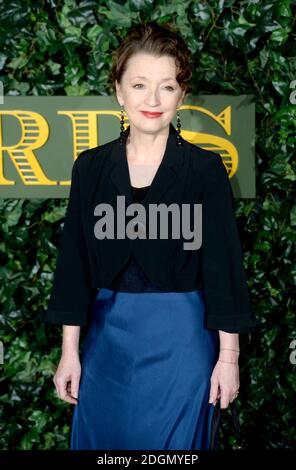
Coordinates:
(180, 102)
(118, 93)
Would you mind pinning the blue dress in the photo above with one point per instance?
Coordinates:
(146, 364)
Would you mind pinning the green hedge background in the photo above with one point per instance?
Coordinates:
(57, 47)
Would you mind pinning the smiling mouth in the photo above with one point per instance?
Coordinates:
(151, 114)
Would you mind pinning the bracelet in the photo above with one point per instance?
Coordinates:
(228, 349)
(227, 362)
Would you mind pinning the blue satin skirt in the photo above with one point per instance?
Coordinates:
(146, 364)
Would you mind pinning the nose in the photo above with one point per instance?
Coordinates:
(152, 98)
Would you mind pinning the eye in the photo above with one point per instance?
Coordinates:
(140, 85)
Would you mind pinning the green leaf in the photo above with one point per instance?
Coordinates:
(56, 214)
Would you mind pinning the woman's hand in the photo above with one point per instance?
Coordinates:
(67, 377)
(224, 383)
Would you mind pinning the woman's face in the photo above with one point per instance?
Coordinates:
(149, 84)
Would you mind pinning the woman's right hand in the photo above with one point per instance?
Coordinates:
(67, 377)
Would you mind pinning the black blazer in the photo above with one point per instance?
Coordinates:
(187, 174)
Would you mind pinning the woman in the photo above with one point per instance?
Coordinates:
(158, 353)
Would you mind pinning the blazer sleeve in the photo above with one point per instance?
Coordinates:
(225, 287)
(71, 294)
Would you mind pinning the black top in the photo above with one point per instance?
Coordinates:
(139, 193)
(89, 259)
(132, 278)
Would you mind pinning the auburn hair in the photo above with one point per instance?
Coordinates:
(157, 40)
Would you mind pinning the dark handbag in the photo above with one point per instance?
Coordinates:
(216, 424)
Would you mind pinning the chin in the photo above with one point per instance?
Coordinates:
(152, 125)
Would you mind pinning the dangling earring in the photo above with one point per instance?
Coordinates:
(121, 138)
(179, 138)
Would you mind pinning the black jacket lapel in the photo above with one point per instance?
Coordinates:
(165, 176)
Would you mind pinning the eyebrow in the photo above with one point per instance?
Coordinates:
(145, 78)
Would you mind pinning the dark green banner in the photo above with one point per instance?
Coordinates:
(40, 137)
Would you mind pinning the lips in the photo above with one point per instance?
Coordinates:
(150, 114)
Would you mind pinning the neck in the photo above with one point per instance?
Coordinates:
(145, 148)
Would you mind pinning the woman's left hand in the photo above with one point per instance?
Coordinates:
(224, 383)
